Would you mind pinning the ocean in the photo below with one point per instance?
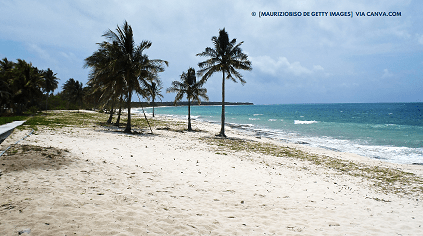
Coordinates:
(391, 132)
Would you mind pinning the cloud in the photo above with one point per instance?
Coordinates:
(387, 73)
(70, 56)
(300, 52)
(39, 51)
(420, 39)
(271, 66)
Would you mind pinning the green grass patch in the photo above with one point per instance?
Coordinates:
(61, 119)
(141, 122)
(8, 119)
(64, 118)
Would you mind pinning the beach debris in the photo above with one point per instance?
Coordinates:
(24, 231)
(8, 206)
(301, 142)
(334, 224)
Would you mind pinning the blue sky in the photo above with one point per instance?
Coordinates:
(295, 59)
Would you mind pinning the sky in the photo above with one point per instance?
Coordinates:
(295, 59)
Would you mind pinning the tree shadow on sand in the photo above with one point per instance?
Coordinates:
(112, 128)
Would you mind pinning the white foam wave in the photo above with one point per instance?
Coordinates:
(304, 122)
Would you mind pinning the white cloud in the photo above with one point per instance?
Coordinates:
(318, 68)
(300, 51)
(39, 51)
(387, 73)
(420, 39)
(271, 66)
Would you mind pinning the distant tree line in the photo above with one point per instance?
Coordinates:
(24, 87)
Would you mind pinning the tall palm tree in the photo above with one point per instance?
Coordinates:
(50, 83)
(106, 78)
(227, 57)
(73, 92)
(135, 67)
(191, 88)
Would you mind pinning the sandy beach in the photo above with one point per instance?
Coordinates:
(96, 180)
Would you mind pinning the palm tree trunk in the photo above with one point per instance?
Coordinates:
(189, 115)
(118, 118)
(153, 106)
(128, 123)
(222, 129)
(120, 112)
(47, 100)
(109, 121)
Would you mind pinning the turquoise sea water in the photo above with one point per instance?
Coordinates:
(387, 131)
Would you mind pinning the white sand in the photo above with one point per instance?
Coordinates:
(171, 183)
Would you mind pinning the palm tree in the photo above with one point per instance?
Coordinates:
(189, 86)
(50, 83)
(26, 84)
(154, 91)
(227, 57)
(73, 92)
(134, 67)
(106, 78)
(6, 68)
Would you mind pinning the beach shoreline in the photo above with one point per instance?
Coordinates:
(242, 133)
(378, 131)
(97, 180)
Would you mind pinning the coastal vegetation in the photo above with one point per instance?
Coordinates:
(25, 89)
(73, 91)
(119, 68)
(60, 119)
(191, 88)
(22, 86)
(226, 57)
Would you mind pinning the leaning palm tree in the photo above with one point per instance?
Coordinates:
(135, 67)
(106, 78)
(189, 86)
(227, 57)
(50, 83)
